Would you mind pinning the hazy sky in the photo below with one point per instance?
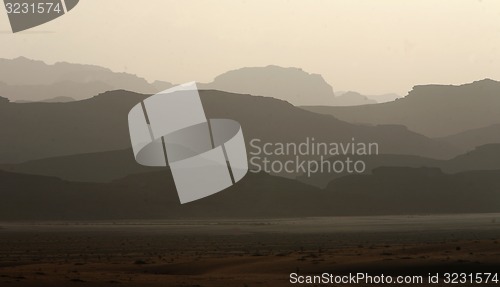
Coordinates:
(369, 46)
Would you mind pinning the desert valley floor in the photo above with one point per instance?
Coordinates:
(243, 252)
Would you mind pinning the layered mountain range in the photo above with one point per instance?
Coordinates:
(67, 156)
(431, 110)
(44, 130)
(25, 80)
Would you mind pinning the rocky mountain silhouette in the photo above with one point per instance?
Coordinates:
(45, 130)
(289, 84)
(26, 80)
(431, 110)
(152, 196)
(400, 190)
(485, 157)
(30, 80)
(146, 196)
(351, 98)
(90, 167)
(471, 138)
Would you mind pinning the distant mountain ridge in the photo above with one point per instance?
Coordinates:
(381, 98)
(293, 85)
(26, 80)
(351, 98)
(431, 110)
(40, 93)
(31, 80)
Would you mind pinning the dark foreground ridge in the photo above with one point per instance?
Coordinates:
(152, 195)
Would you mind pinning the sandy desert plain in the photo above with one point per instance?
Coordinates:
(246, 253)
